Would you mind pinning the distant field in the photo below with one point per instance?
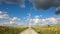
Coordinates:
(47, 30)
(11, 30)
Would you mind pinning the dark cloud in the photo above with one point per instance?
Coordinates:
(42, 4)
(0, 2)
(56, 3)
(20, 2)
(45, 4)
(57, 11)
(15, 1)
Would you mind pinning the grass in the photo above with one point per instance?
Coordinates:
(47, 30)
(11, 30)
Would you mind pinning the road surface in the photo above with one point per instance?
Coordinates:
(29, 31)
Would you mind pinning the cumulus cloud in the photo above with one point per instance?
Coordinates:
(52, 21)
(3, 15)
(38, 21)
(14, 20)
(47, 21)
(6, 20)
(46, 4)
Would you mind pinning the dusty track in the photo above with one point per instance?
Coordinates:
(29, 31)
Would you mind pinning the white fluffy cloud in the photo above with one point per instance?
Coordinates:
(14, 20)
(47, 21)
(5, 19)
(3, 15)
(38, 21)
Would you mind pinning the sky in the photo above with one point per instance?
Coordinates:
(15, 14)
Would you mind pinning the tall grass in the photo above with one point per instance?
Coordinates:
(47, 30)
(11, 30)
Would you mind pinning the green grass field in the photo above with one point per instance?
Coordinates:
(47, 30)
(11, 30)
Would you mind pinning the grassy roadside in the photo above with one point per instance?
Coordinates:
(11, 30)
(47, 30)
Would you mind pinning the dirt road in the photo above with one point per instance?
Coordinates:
(29, 31)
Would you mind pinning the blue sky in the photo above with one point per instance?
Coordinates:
(14, 10)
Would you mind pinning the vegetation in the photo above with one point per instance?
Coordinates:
(47, 30)
(11, 30)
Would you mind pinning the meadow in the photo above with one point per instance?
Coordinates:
(47, 29)
(11, 30)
